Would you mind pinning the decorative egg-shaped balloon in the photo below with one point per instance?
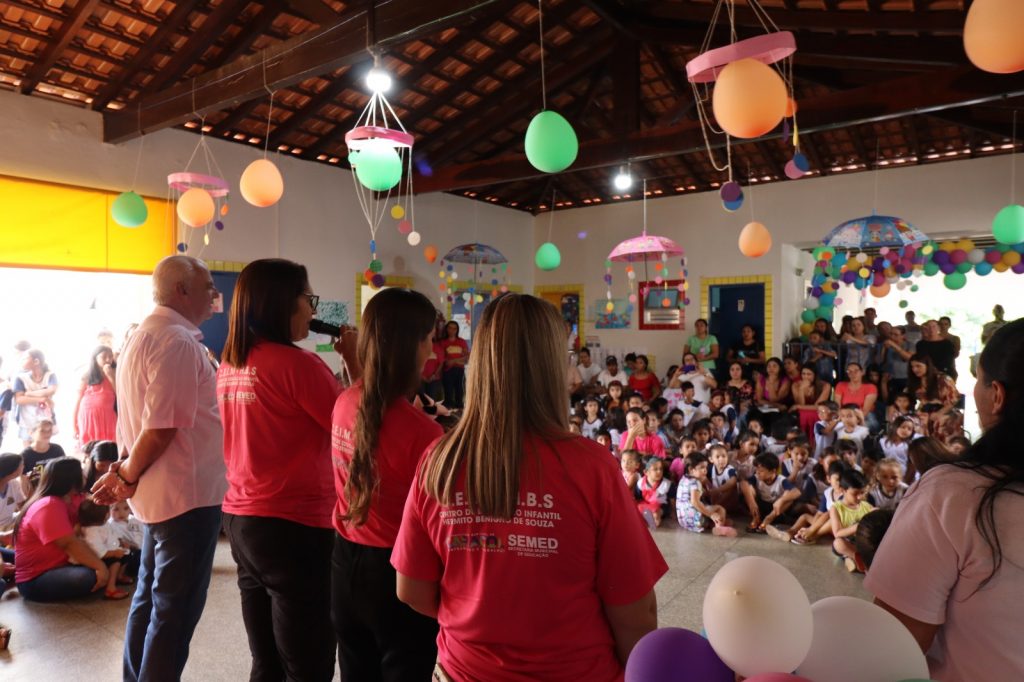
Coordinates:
(129, 210)
(261, 184)
(196, 207)
(755, 240)
(551, 144)
(430, 254)
(749, 99)
(378, 166)
(1008, 226)
(548, 256)
(413, 238)
(992, 35)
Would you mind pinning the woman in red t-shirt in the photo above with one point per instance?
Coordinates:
(275, 401)
(453, 372)
(855, 391)
(643, 381)
(378, 438)
(520, 538)
(45, 540)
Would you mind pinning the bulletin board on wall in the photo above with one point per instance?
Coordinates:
(50, 225)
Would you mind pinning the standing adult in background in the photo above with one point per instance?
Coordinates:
(276, 401)
(378, 439)
(564, 599)
(995, 325)
(33, 390)
(941, 351)
(870, 315)
(897, 353)
(913, 331)
(961, 528)
(944, 325)
(95, 417)
(703, 345)
(169, 430)
(453, 373)
(431, 375)
(588, 371)
(749, 352)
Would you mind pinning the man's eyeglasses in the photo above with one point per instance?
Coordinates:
(313, 301)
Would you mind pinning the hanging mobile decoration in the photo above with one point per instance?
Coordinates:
(201, 199)
(380, 150)
(1008, 225)
(261, 183)
(755, 240)
(129, 209)
(752, 92)
(551, 144)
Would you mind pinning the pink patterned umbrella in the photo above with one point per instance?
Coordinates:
(646, 247)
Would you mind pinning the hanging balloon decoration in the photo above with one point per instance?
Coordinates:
(992, 35)
(129, 209)
(380, 152)
(483, 263)
(551, 144)
(201, 199)
(1008, 225)
(752, 93)
(261, 183)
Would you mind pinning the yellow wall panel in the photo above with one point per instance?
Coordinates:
(46, 225)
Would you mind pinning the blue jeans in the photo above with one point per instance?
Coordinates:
(59, 584)
(177, 558)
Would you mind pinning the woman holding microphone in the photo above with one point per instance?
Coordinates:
(275, 401)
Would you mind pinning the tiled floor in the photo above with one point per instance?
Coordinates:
(82, 640)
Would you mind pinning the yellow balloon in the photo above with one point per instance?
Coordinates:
(1011, 258)
(397, 212)
(1001, 266)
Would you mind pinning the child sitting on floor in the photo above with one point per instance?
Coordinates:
(748, 445)
(654, 489)
(848, 455)
(604, 438)
(723, 484)
(846, 513)
(629, 461)
(638, 437)
(102, 540)
(809, 527)
(798, 467)
(768, 494)
(888, 487)
(902, 406)
(694, 510)
(870, 531)
(126, 527)
(678, 466)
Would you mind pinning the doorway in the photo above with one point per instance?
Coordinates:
(729, 303)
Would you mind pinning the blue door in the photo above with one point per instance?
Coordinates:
(732, 306)
(215, 329)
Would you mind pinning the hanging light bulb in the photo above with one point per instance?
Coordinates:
(378, 80)
(623, 180)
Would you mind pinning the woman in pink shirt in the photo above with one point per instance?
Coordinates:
(45, 540)
(951, 566)
(275, 401)
(519, 537)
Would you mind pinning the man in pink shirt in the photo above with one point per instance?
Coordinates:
(172, 469)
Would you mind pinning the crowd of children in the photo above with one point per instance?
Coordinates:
(800, 470)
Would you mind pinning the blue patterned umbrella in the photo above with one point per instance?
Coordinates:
(874, 231)
(477, 254)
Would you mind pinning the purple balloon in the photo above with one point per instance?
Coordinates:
(901, 268)
(947, 268)
(1018, 268)
(878, 263)
(731, 191)
(816, 292)
(849, 277)
(676, 655)
(940, 257)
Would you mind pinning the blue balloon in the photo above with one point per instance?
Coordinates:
(733, 205)
(983, 268)
(827, 299)
(801, 162)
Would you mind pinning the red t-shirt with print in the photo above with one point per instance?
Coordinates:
(522, 599)
(454, 349)
(276, 412)
(404, 434)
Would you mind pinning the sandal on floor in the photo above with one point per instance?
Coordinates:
(115, 594)
(803, 542)
(724, 531)
(5, 638)
(757, 530)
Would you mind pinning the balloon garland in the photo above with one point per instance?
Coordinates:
(954, 260)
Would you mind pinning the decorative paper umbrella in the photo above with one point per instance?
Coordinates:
(874, 231)
(478, 254)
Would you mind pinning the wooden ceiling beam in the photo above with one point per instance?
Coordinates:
(898, 98)
(215, 23)
(254, 28)
(313, 54)
(56, 46)
(143, 55)
(625, 60)
(315, 11)
(317, 102)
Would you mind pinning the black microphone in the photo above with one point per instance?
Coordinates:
(321, 327)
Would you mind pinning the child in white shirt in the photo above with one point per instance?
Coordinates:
(102, 540)
(126, 527)
(851, 427)
(591, 422)
(888, 488)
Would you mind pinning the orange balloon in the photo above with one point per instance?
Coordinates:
(261, 183)
(755, 240)
(791, 107)
(195, 207)
(992, 35)
(880, 291)
(430, 253)
(749, 99)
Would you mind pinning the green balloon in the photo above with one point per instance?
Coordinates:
(955, 280)
(808, 316)
(378, 166)
(825, 312)
(129, 210)
(931, 269)
(1008, 226)
(548, 257)
(965, 267)
(914, 288)
(551, 144)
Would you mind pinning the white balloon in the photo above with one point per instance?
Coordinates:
(845, 624)
(758, 617)
(413, 238)
(812, 303)
(975, 256)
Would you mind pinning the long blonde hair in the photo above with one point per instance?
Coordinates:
(516, 386)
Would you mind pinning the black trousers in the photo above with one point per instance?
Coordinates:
(284, 577)
(380, 639)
